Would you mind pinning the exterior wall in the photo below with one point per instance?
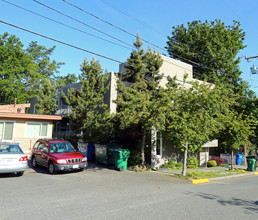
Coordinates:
(19, 136)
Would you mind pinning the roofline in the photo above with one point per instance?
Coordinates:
(30, 116)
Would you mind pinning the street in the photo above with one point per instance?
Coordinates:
(102, 193)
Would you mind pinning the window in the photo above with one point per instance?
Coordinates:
(36, 129)
(6, 130)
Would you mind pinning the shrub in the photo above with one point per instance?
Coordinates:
(192, 162)
(211, 163)
(218, 160)
(172, 164)
(178, 165)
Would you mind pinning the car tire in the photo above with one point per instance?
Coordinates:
(33, 162)
(51, 168)
(20, 173)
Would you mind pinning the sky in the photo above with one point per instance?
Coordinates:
(113, 33)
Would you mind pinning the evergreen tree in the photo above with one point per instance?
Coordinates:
(139, 92)
(47, 98)
(86, 104)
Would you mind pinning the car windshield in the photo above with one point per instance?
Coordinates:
(10, 149)
(61, 148)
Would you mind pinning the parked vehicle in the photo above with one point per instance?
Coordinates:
(57, 155)
(12, 159)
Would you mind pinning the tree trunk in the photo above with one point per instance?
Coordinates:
(185, 160)
(142, 146)
(232, 158)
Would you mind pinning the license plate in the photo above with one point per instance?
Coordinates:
(75, 166)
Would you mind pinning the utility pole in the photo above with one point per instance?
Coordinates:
(254, 69)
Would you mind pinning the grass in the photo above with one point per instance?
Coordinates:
(209, 174)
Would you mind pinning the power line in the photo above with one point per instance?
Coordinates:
(82, 23)
(119, 28)
(180, 57)
(65, 24)
(192, 62)
(130, 16)
(61, 42)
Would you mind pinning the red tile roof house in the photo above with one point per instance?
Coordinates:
(25, 129)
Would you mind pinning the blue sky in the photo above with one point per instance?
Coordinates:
(151, 18)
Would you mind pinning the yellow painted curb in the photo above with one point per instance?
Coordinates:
(197, 181)
(256, 173)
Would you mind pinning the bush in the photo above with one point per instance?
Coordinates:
(211, 163)
(218, 160)
(192, 162)
(172, 164)
(178, 165)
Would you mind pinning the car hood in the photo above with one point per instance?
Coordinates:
(67, 155)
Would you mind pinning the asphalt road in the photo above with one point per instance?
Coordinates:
(101, 193)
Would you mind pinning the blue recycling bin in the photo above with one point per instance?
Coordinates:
(91, 152)
(239, 159)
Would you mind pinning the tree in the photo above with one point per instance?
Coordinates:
(212, 49)
(17, 70)
(47, 98)
(86, 104)
(41, 57)
(139, 92)
(21, 70)
(237, 130)
(194, 115)
(62, 81)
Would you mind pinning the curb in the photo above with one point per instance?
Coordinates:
(198, 181)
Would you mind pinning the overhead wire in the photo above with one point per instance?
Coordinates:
(61, 42)
(58, 22)
(182, 58)
(130, 16)
(83, 23)
(121, 29)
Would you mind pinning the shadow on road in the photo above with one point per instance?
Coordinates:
(241, 203)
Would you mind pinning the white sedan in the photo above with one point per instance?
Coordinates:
(12, 159)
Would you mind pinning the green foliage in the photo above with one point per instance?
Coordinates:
(212, 48)
(47, 98)
(139, 98)
(62, 81)
(192, 162)
(41, 57)
(211, 163)
(21, 70)
(135, 157)
(172, 165)
(87, 104)
(179, 165)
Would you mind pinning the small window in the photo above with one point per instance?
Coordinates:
(6, 130)
(36, 129)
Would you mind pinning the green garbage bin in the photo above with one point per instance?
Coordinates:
(121, 156)
(251, 164)
(104, 154)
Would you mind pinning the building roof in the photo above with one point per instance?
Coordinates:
(10, 115)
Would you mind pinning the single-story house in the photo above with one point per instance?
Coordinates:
(18, 127)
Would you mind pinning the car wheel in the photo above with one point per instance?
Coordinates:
(20, 173)
(51, 168)
(33, 162)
